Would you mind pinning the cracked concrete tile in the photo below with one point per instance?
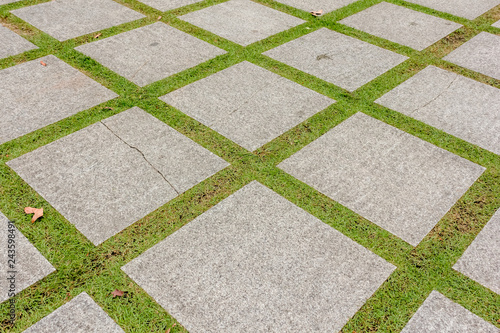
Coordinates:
(312, 5)
(242, 21)
(450, 102)
(30, 265)
(469, 9)
(33, 96)
(12, 44)
(150, 53)
(481, 260)
(339, 59)
(80, 315)
(247, 104)
(108, 175)
(480, 54)
(165, 5)
(257, 263)
(401, 25)
(397, 181)
(439, 314)
(66, 19)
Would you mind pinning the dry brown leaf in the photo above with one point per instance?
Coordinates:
(159, 18)
(317, 13)
(118, 293)
(37, 213)
(98, 35)
(168, 331)
(42, 63)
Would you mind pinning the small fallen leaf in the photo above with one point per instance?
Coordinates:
(42, 63)
(159, 18)
(118, 293)
(317, 13)
(37, 213)
(168, 331)
(98, 35)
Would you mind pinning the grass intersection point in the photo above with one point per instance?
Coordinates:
(82, 267)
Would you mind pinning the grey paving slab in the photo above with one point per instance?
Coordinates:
(496, 24)
(80, 315)
(29, 264)
(439, 314)
(4, 2)
(339, 59)
(248, 104)
(481, 260)
(33, 96)
(150, 53)
(469, 9)
(257, 263)
(401, 25)
(165, 5)
(108, 175)
(314, 5)
(12, 44)
(242, 21)
(455, 104)
(481, 54)
(66, 19)
(397, 181)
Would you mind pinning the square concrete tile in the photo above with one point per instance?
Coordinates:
(401, 25)
(339, 59)
(110, 174)
(4, 2)
(314, 5)
(496, 24)
(242, 21)
(12, 44)
(150, 53)
(165, 5)
(480, 54)
(66, 19)
(33, 96)
(397, 181)
(439, 314)
(450, 102)
(30, 265)
(481, 260)
(469, 9)
(80, 315)
(257, 263)
(248, 104)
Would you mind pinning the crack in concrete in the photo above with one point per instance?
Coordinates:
(143, 156)
(438, 95)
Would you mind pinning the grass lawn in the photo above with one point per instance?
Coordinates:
(96, 270)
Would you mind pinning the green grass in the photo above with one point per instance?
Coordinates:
(81, 266)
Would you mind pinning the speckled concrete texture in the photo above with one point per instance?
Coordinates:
(12, 44)
(480, 54)
(33, 96)
(453, 103)
(469, 9)
(255, 262)
(242, 21)
(80, 315)
(439, 314)
(397, 181)
(248, 104)
(314, 5)
(334, 57)
(165, 5)
(481, 260)
(30, 265)
(66, 19)
(150, 53)
(108, 175)
(401, 25)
